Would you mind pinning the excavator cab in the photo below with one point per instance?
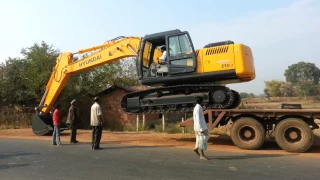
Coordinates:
(180, 57)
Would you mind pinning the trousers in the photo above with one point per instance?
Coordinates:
(96, 136)
(56, 135)
(73, 137)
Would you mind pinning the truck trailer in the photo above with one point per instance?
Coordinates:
(292, 129)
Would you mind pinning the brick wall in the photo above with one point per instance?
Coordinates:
(111, 109)
(112, 112)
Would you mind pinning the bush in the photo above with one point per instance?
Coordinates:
(125, 127)
(172, 128)
(11, 117)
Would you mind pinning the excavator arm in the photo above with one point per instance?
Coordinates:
(65, 67)
(109, 52)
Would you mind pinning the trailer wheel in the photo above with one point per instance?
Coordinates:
(294, 135)
(248, 133)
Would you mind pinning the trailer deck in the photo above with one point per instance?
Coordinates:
(291, 128)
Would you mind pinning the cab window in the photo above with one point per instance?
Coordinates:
(179, 45)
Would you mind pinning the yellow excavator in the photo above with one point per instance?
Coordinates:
(176, 79)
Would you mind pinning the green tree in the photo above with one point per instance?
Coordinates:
(302, 72)
(2, 80)
(41, 59)
(287, 89)
(305, 77)
(273, 88)
(14, 82)
(244, 95)
(307, 89)
(266, 92)
(128, 73)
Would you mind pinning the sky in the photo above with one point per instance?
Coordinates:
(279, 32)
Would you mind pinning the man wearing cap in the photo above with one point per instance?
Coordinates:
(72, 121)
(96, 122)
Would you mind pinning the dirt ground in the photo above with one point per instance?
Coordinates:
(216, 143)
(275, 102)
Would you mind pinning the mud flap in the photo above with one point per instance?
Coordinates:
(43, 125)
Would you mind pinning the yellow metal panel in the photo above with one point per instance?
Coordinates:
(146, 54)
(118, 50)
(157, 54)
(199, 68)
(218, 58)
(57, 81)
(244, 62)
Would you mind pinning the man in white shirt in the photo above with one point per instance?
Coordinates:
(164, 55)
(96, 121)
(200, 128)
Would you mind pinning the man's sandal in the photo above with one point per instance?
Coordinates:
(204, 158)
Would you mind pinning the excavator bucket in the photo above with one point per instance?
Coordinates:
(43, 125)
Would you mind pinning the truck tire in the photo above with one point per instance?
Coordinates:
(248, 133)
(294, 135)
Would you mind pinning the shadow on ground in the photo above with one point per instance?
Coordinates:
(122, 143)
(131, 147)
(13, 154)
(226, 140)
(67, 132)
(249, 156)
(9, 166)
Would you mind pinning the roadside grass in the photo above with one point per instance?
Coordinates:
(13, 118)
(275, 102)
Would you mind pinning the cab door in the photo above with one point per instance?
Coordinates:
(181, 57)
(143, 59)
(139, 61)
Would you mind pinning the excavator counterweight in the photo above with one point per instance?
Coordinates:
(168, 62)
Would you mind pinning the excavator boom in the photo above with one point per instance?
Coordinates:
(65, 67)
(107, 53)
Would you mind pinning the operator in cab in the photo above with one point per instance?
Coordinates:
(163, 58)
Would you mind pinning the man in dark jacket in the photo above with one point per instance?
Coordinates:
(72, 121)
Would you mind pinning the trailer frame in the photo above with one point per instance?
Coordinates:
(291, 128)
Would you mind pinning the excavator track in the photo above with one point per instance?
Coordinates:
(180, 98)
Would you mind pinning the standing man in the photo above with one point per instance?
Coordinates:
(96, 123)
(56, 123)
(72, 121)
(200, 129)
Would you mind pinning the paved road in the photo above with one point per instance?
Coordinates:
(31, 159)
